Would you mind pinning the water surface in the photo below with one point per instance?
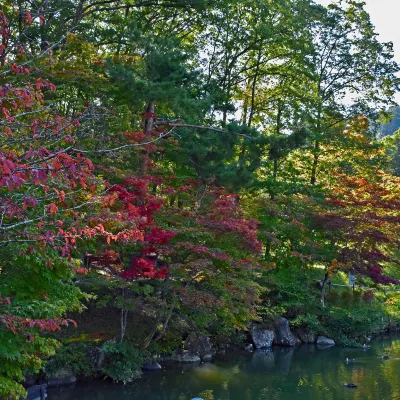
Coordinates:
(278, 374)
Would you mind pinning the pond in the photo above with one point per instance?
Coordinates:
(306, 372)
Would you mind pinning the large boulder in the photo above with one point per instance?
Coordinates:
(283, 335)
(262, 338)
(36, 392)
(199, 345)
(324, 341)
(306, 337)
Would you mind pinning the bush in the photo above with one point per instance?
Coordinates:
(80, 358)
(122, 361)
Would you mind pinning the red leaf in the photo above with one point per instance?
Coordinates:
(53, 208)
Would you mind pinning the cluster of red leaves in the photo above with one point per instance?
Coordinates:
(25, 17)
(139, 137)
(226, 216)
(364, 216)
(4, 33)
(40, 172)
(19, 325)
(132, 203)
(138, 204)
(145, 268)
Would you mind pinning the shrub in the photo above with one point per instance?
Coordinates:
(80, 358)
(122, 361)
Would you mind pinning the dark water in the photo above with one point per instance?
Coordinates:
(280, 374)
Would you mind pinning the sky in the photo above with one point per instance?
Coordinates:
(385, 16)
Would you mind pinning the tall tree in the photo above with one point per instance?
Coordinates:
(353, 72)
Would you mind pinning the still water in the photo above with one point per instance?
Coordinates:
(278, 374)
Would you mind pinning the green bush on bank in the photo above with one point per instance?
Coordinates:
(79, 358)
(122, 361)
(119, 361)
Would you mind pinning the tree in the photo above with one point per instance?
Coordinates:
(363, 219)
(348, 61)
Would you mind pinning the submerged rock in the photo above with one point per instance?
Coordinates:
(325, 341)
(283, 335)
(262, 338)
(153, 366)
(183, 357)
(207, 357)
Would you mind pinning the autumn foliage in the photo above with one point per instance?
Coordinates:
(364, 216)
(124, 173)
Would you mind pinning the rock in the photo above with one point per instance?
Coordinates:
(261, 338)
(198, 345)
(63, 376)
(297, 339)
(152, 366)
(283, 336)
(249, 347)
(37, 392)
(306, 337)
(207, 357)
(350, 385)
(183, 357)
(188, 357)
(325, 341)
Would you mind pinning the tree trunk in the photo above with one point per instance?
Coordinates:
(276, 159)
(165, 324)
(253, 87)
(323, 289)
(315, 163)
(124, 321)
(245, 103)
(148, 128)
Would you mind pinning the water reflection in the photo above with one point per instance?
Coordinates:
(282, 374)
